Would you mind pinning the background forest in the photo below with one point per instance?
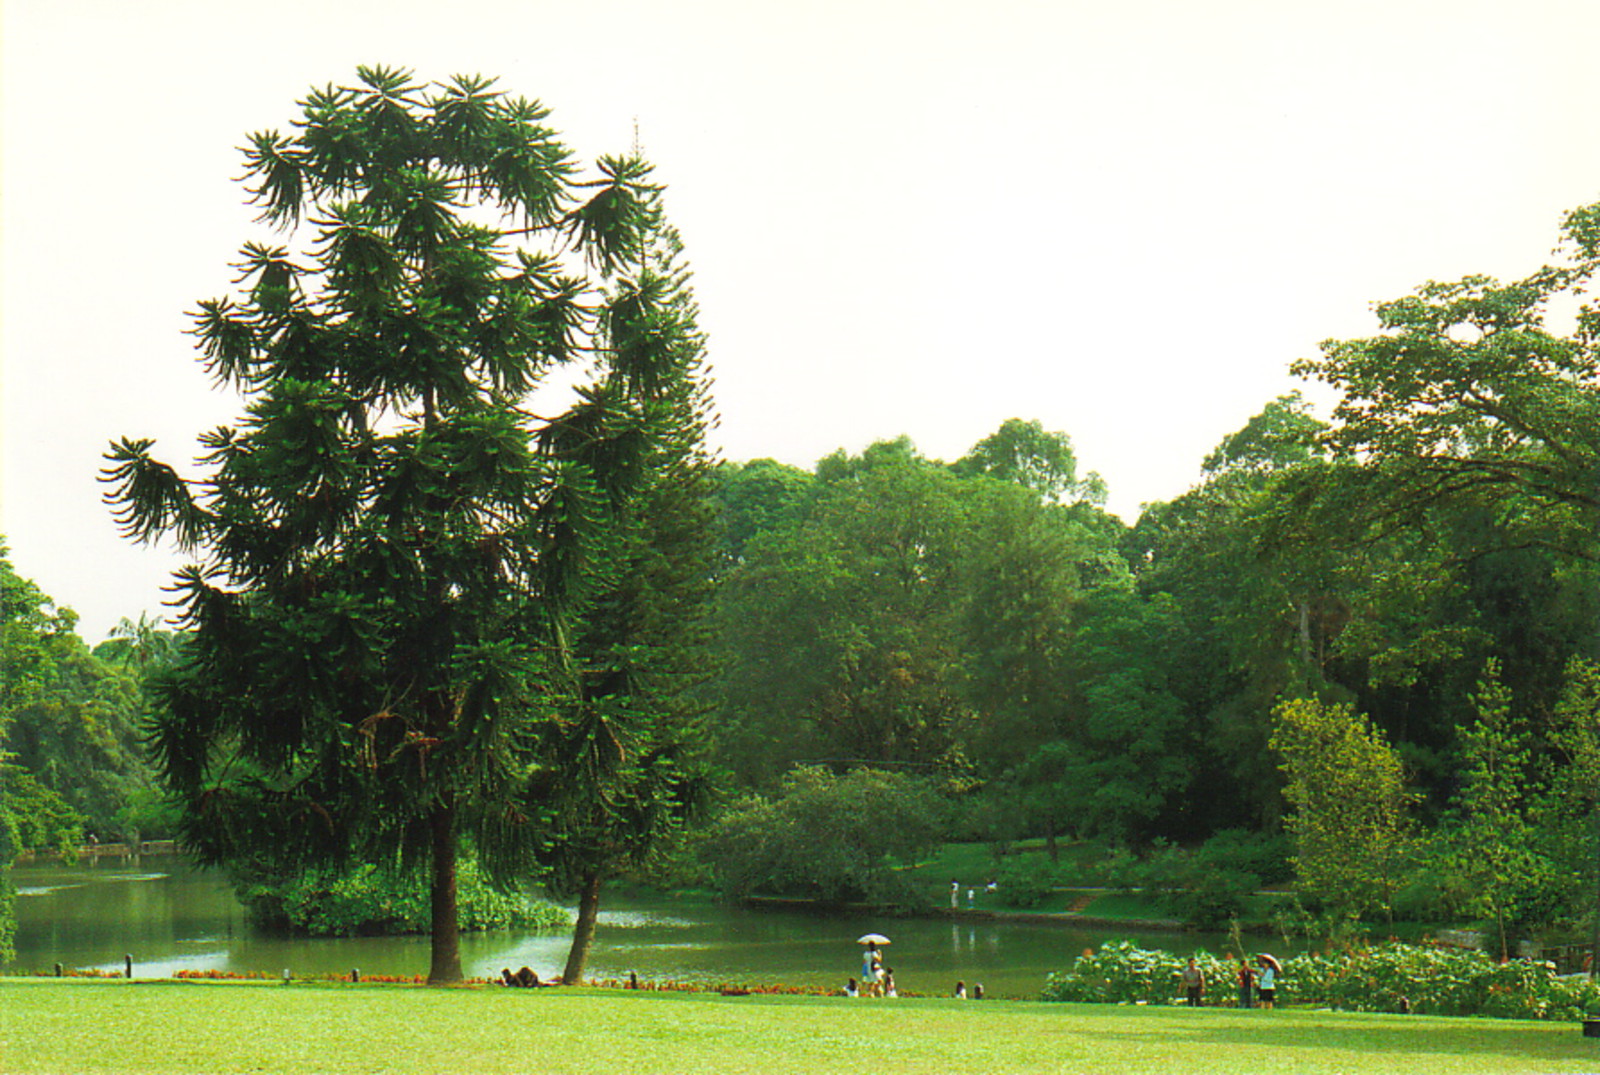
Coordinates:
(1374, 635)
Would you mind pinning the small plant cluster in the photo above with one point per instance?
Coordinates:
(368, 902)
(1384, 978)
(1123, 973)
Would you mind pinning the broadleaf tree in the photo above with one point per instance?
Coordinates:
(396, 542)
(1348, 791)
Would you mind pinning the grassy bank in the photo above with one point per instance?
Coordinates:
(49, 1025)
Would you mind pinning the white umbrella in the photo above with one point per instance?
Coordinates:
(872, 938)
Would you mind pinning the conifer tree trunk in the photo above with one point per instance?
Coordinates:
(446, 932)
(583, 932)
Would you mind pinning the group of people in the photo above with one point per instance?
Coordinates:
(1258, 985)
(972, 894)
(877, 980)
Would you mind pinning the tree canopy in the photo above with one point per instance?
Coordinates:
(398, 540)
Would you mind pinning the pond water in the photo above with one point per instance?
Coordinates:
(171, 917)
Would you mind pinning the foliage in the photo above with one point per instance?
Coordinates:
(1440, 981)
(1385, 978)
(827, 837)
(1469, 395)
(69, 719)
(1023, 885)
(1493, 843)
(1120, 972)
(1266, 855)
(1029, 455)
(366, 901)
(1199, 887)
(891, 610)
(40, 818)
(9, 846)
(1349, 824)
(394, 547)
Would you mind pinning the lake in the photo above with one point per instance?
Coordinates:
(170, 917)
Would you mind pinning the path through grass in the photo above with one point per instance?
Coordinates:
(183, 1027)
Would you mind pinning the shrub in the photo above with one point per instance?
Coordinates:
(368, 902)
(1210, 897)
(1024, 884)
(1123, 973)
(827, 837)
(1384, 978)
(1194, 887)
(1266, 855)
(1441, 981)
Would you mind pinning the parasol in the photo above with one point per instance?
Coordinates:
(1272, 961)
(872, 938)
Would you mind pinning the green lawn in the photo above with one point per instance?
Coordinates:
(48, 1025)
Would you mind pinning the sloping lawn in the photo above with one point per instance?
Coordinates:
(92, 1026)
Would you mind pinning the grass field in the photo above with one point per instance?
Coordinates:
(48, 1025)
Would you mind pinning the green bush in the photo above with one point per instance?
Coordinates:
(1024, 884)
(1384, 978)
(1440, 981)
(1194, 886)
(828, 837)
(1123, 973)
(367, 902)
(1209, 897)
(1266, 855)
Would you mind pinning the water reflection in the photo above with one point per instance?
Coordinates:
(169, 917)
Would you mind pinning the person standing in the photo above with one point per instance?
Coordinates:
(1193, 980)
(871, 965)
(1267, 983)
(955, 895)
(1247, 984)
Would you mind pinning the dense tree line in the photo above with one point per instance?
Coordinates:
(983, 621)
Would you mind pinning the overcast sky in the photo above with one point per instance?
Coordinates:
(1122, 219)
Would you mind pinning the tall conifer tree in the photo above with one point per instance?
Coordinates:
(396, 541)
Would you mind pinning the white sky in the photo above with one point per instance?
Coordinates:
(1123, 219)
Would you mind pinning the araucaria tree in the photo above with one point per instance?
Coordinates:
(394, 547)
